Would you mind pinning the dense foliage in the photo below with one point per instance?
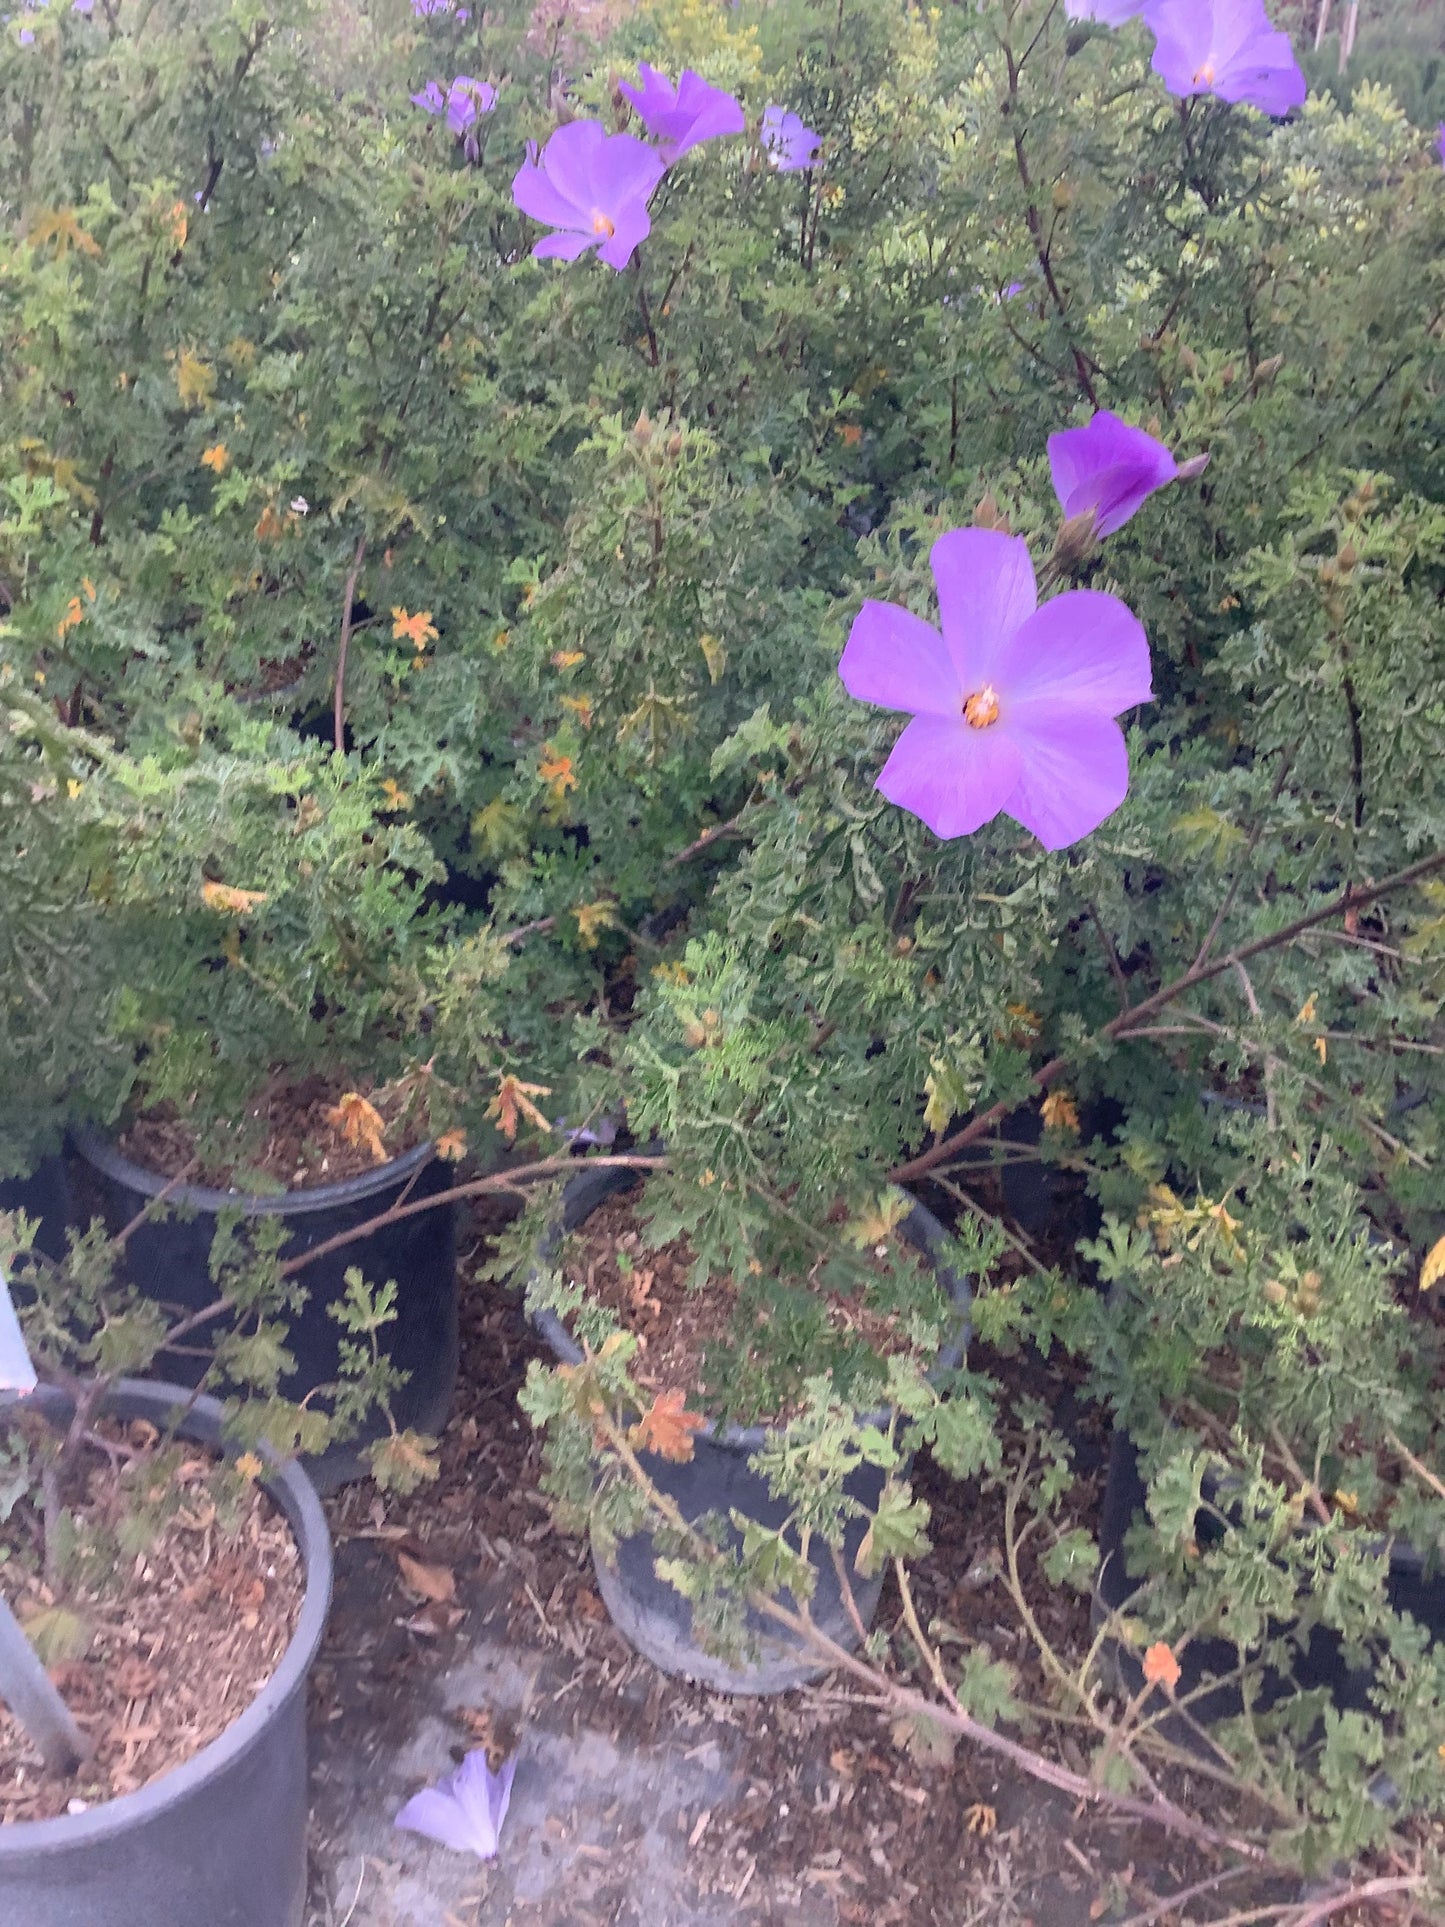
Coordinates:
(416, 652)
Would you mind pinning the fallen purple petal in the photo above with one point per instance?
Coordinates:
(465, 1809)
(1013, 705)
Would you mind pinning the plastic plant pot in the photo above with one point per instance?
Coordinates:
(44, 1196)
(650, 1613)
(1410, 1587)
(167, 1258)
(221, 1840)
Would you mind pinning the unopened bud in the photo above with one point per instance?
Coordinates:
(1348, 556)
(1191, 470)
(642, 433)
(1075, 539)
(1266, 372)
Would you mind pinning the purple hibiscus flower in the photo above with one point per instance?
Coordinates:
(593, 186)
(465, 1809)
(679, 117)
(1227, 48)
(1109, 469)
(788, 144)
(461, 102)
(1013, 705)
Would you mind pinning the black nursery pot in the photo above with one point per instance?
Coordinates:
(44, 1196)
(650, 1612)
(167, 1258)
(220, 1841)
(1410, 1587)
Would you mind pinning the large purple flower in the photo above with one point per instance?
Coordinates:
(679, 117)
(788, 144)
(1109, 468)
(465, 1810)
(1013, 705)
(1227, 48)
(594, 187)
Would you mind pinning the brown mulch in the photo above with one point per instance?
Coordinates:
(286, 1136)
(178, 1639)
(839, 1819)
(675, 1322)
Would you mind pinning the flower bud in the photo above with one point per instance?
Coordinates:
(1074, 542)
(1191, 470)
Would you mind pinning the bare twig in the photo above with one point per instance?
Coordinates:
(338, 718)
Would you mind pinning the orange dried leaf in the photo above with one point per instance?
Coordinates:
(1433, 1269)
(222, 896)
(1161, 1668)
(359, 1122)
(1060, 1112)
(513, 1101)
(452, 1145)
(556, 772)
(436, 1583)
(216, 458)
(667, 1428)
(418, 630)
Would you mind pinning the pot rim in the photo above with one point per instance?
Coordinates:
(105, 1157)
(585, 1193)
(294, 1493)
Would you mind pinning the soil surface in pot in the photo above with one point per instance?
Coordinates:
(292, 1133)
(157, 1650)
(690, 1336)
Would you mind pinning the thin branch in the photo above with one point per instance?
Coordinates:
(338, 718)
(1198, 973)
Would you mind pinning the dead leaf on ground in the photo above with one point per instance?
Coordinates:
(427, 1581)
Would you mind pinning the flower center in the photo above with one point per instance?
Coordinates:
(1205, 76)
(981, 708)
(601, 225)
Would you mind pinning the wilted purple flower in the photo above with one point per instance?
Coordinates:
(594, 187)
(1109, 468)
(1227, 48)
(464, 1810)
(1013, 705)
(788, 144)
(679, 117)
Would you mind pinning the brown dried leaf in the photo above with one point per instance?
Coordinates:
(667, 1428)
(427, 1581)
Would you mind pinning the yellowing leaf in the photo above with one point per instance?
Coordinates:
(73, 617)
(593, 919)
(452, 1145)
(513, 1100)
(1059, 1112)
(216, 458)
(58, 224)
(269, 526)
(581, 708)
(360, 1123)
(417, 630)
(195, 380)
(1205, 833)
(876, 1224)
(1161, 1668)
(715, 655)
(1433, 1269)
(567, 658)
(249, 1465)
(497, 829)
(223, 896)
(395, 795)
(938, 1112)
(667, 1428)
(1308, 1009)
(180, 223)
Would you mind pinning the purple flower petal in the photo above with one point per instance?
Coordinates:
(897, 660)
(466, 98)
(465, 1809)
(431, 97)
(563, 247)
(788, 144)
(679, 117)
(985, 590)
(1227, 48)
(953, 777)
(1075, 772)
(1108, 467)
(1109, 13)
(1081, 651)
